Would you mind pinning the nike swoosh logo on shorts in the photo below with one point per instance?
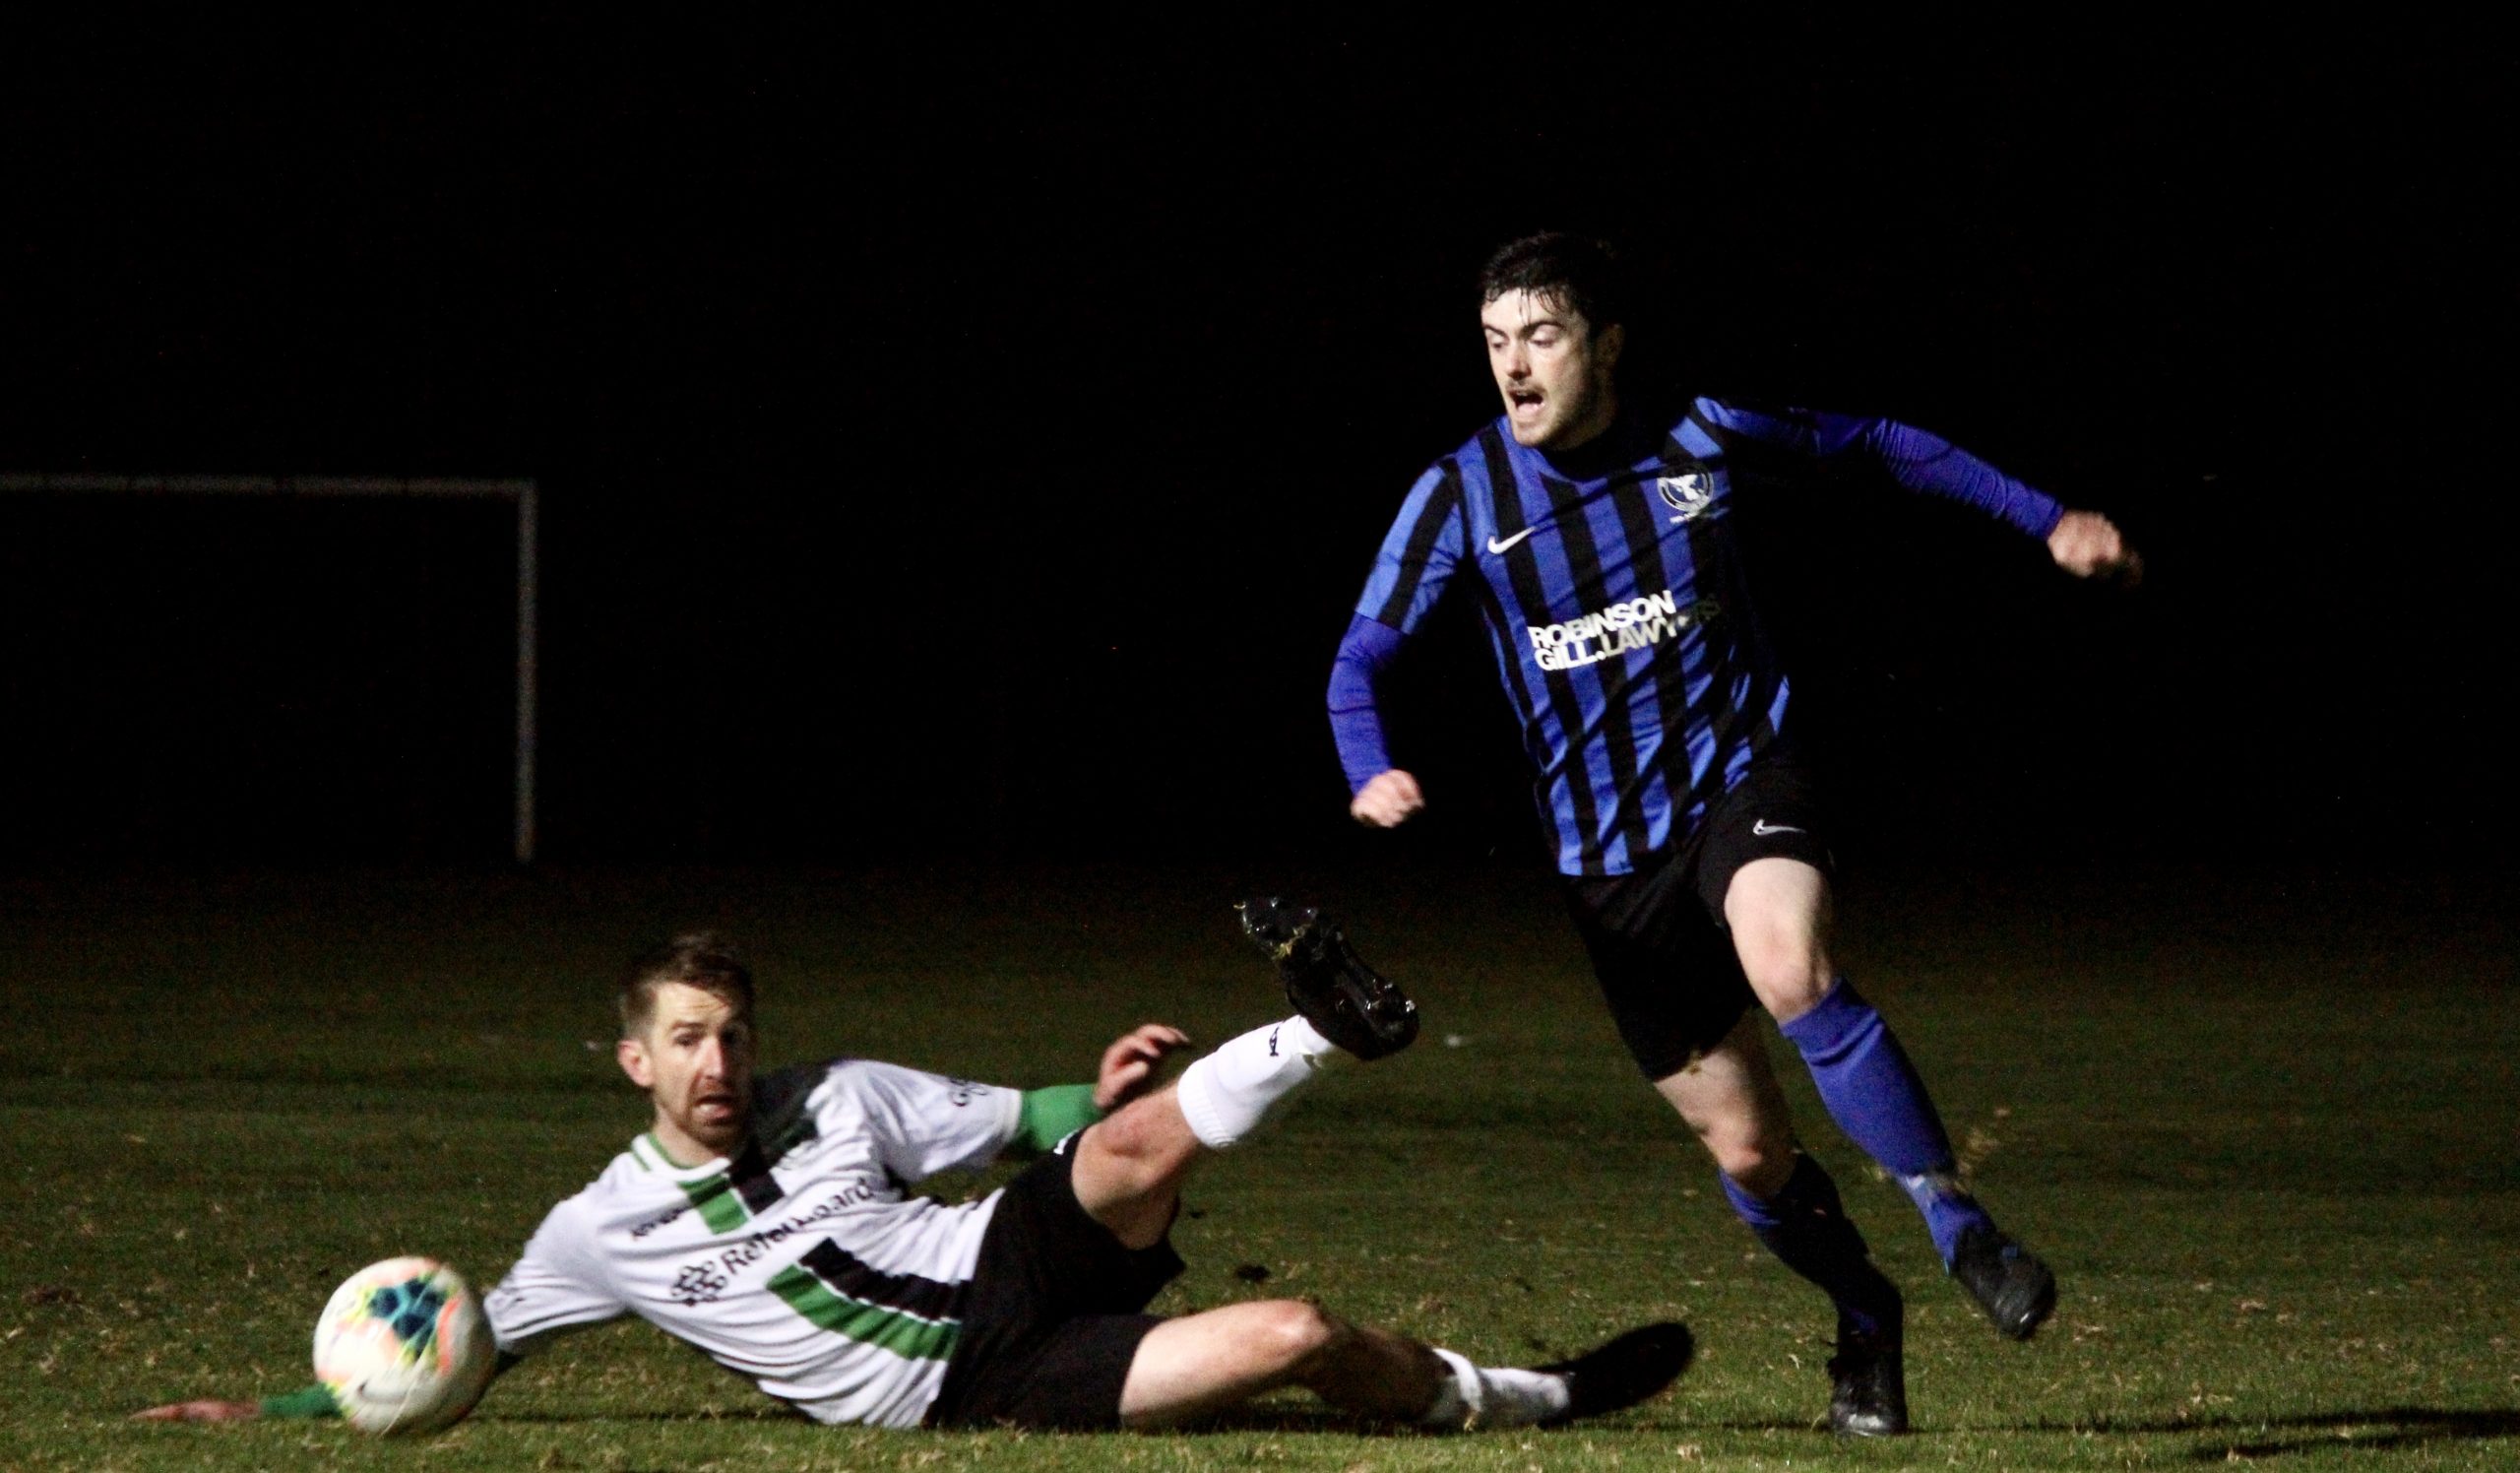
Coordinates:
(1496, 546)
(1763, 828)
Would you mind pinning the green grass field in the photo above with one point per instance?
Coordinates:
(2265, 1132)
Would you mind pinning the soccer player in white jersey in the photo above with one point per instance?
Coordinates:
(768, 1223)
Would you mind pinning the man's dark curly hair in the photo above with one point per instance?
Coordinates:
(1575, 272)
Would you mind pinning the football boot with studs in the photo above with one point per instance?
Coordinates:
(2008, 1282)
(1346, 1001)
(1867, 1385)
(1621, 1372)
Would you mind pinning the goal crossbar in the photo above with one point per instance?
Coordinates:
(528, 558)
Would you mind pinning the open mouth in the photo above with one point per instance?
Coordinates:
(1523, 398)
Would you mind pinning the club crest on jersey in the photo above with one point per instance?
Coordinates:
(1688, 495)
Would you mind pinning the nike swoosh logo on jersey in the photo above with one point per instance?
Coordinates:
(1498, 546)
(1763, 828)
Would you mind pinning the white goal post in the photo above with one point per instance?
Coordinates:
(527, 591)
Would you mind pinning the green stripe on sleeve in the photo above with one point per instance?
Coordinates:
(311, 1401)
(1049, 1115)
(868, 1324)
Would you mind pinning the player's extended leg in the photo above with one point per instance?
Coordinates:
(1127, 1175)
(1778, 909)
(1222, 1358)
(1207, 1363)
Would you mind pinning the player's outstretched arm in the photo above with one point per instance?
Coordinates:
(204, 1410)
(304, 1403)
(308, 1401)
(1387, 800)
(2088, 544)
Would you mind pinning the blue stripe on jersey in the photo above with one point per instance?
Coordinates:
(1617, 610)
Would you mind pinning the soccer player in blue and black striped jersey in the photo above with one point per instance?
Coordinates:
(1595, 538)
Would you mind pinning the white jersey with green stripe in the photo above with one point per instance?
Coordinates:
(802, 1263)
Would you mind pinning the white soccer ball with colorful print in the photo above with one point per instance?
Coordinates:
(403, 1347)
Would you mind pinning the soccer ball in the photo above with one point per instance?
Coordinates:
(404, 1347)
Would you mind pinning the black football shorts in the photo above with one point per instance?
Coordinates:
(1659, 947)
(1057, 1310)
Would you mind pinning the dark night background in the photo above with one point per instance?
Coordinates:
(971, 440)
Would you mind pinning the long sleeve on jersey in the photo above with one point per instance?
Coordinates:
(1355, 720)
(1916, 459)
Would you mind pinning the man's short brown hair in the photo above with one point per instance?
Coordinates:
(702, 959)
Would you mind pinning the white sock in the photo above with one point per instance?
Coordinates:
(1494, 1396)
(1225, 1093)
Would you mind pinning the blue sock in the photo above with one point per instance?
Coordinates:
(1806, 1226)
(1874, 1095)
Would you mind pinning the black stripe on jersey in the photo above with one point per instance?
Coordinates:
(1500, 629)
(750, 1173)
(1592, 584)
(1637, 503)
(849, 1275)
(1747, 637)
(1523, 574)
(1719, 580)
(1445, 502)
(1710, 571)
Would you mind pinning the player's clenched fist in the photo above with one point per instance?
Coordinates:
(2085, 542)
(1387, 801)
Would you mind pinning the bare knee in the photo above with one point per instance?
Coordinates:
(1127, 1135)
(1128, 1168)
(1790, 978)
(1778, 913)
(1759, 1167)
(1296, 1336)
(1749, 1151)
(1146, 1139)
(1730, 1101)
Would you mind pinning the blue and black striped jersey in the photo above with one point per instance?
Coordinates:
(1610, 582)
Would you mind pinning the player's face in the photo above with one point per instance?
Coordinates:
(1552, 368)
(695, 1060)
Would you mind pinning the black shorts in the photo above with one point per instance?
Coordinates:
(1056, 1313)
(1659, 947)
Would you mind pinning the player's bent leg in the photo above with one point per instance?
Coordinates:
(1209, 1362)
(1129, 1168)
(1730, 1098)
(1778, 909)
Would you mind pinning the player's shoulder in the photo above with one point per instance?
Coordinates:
(1736, 410)
(782, 1088)
(1468, 460)
(1489, 433)
(637, 1166)
(852, 1088)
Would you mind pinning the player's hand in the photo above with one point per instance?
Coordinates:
(2088, 544)
(1128, 1065)
(201, 1411)
(1387, 801)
